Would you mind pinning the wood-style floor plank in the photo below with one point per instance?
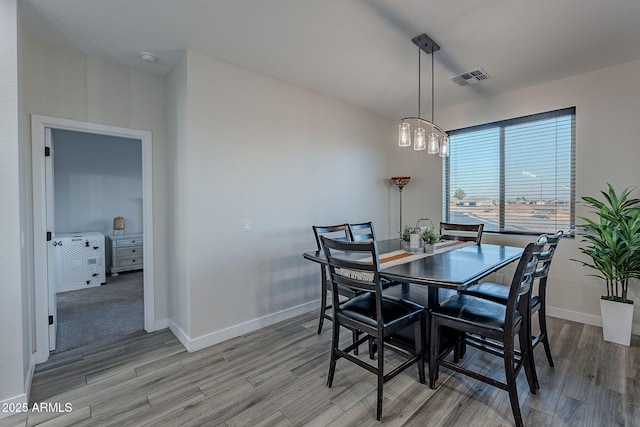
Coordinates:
(276, 377)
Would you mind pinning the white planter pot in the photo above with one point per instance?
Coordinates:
(617, 318)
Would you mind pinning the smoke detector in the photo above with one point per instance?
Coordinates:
(147, 56)
(471, 77)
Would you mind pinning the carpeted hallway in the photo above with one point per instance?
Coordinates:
(88, 315)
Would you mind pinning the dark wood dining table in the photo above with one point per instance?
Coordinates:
(455, 269)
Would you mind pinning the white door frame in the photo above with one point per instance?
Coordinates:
(39, 124)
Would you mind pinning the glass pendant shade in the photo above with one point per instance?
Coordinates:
(444, 147)
(420, 139)
(404, 134)
(436, 140)
(433, 143)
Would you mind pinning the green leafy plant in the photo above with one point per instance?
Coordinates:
(429, 236)
(405, 233)
(613, 241)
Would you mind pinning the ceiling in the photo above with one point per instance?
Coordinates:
(358, 51)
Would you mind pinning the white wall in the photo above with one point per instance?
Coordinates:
(285, 159)
(66, 84)
(607, 104)
(96, 178)
(15, 334)
(177, 191)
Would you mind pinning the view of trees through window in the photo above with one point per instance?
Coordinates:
(515, 176)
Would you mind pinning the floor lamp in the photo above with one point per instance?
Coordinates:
(400, 182)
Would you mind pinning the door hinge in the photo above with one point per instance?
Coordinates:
(47, 151)
(48, 236)
(51, 320)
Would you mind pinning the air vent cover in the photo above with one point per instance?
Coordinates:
(471, 77)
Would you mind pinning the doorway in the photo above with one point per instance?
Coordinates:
(45, 295)
(96, 178)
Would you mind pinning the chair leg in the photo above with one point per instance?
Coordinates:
(323, 304)
(511, 380)
(526, 349)
(418, 337)
(380, 379)
(434, 350)
(356, 337)
(335, 342)
(460, 347)
(542, 320)
(373, 347)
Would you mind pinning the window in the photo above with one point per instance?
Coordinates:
(515, 176)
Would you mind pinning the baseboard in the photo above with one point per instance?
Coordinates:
(30, 372)
(240, 329)
(158, 325)
(181, 335)
(588, 319)
(20, 401)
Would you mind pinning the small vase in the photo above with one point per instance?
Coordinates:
(428, 248)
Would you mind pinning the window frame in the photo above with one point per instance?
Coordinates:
(501, 125)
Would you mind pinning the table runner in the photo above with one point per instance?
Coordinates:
(398, 257)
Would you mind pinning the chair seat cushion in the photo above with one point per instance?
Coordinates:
(363, 309)
(495, 292)
(478, 312)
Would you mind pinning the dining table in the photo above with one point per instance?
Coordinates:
(454, 265)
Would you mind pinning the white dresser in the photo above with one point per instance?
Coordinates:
(126, 253)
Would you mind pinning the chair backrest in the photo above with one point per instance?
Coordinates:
(361, 231)
(545, 257)
(353, 265)
(465, 232)
(337, 232)
(522, 281)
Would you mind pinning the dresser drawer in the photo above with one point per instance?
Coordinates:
(128, 242)
(129, 252)
(128, 262)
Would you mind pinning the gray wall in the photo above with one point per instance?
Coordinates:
(15, 336)
(96, 178)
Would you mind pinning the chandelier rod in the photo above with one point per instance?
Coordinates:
(419, 78)
(433, 108)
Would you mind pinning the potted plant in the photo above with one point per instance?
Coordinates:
(405, 235)
(613, 244)
(430, 238)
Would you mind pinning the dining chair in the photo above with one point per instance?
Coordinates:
(494, 323)
(361, 231)
(500, 293)
(463, 232)
(356, 265)
(338, 232)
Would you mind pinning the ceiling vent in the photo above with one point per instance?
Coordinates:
(471, 77)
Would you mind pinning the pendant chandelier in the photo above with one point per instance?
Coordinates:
(437, 141)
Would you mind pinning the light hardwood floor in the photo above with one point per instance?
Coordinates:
(276, 377)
